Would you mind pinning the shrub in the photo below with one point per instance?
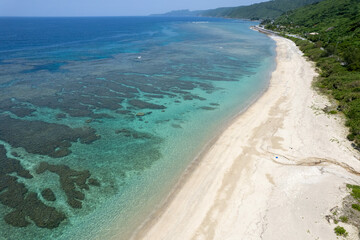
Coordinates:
(355, 191)
(351, 137)
(340, 231)
(356, 206)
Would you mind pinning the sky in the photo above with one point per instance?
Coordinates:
(108, 7)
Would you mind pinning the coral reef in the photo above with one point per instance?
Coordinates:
(70, 181)
(26, 204)
(43, 138)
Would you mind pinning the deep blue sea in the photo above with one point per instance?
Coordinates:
(100, 116)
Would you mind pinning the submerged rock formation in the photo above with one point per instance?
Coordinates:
(43, 138)
(26, 204)
(142, 104)
(48, 194)
(30, 206)
(70, 181)
(133, 133)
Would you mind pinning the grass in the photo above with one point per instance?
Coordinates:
(344, 219)
(340, 231)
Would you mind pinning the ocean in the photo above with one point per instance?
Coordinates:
(100, 116)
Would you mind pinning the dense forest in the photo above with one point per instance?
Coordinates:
(332, 30)
(264, 10)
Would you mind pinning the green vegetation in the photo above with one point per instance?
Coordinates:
(355, 191)
(265, 10)
(344, 219)
(332, 30)
(356, 206)
(340, 231)
(347, 213)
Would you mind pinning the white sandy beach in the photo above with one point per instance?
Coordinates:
(274, 173)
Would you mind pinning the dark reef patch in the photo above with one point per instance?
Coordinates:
(78, 104)
(43, 138)
(70, 181)
(83, 98)
(48, 194)
(30, 206)
(26, 204)
(176, 125)
(142, 104)
(19, 109)
(207, 108)
(94, 182)
(189, 96)
(60, 116)
(153, 96)
(124, 112)
(15, 154)
(132, 133)
(9, 165)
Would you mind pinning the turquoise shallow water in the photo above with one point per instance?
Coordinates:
(147, 93)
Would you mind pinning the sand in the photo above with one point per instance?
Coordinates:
(274, 173)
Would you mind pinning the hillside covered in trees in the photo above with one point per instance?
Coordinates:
(332, 28)
(265, 10)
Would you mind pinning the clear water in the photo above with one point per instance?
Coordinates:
(198, 72)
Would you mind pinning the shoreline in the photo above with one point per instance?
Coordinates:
(267, 161)
(159, 210)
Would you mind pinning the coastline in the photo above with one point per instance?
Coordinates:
(283, 162)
